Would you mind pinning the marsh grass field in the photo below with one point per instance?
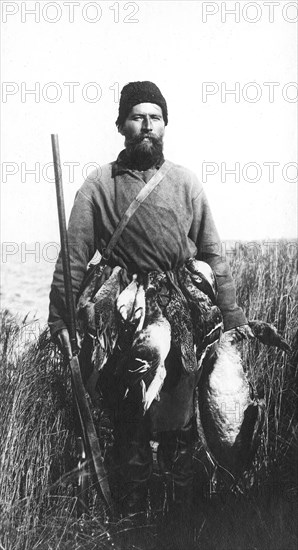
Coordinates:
(38, 455)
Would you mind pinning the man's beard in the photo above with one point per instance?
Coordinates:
(142, 153)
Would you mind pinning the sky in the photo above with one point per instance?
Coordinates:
(76, 57)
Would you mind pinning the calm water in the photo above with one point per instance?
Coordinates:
(25, 282)
(26, 279)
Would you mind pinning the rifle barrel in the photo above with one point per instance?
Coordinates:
(64, 245)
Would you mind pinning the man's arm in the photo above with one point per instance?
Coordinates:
(208, 243)
(82, 246)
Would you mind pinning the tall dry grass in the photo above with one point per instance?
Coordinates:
(267, 282)
(35, 429)
(37, 446)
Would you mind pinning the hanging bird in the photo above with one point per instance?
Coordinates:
(177, 311)
(126, 300)
(268, 335)
(98, 316)
(104, 304)
(131, 304)
(207, 318)
(101, 315)
(230, 418)
(150, 347)
(139, 308)
(85, 307)
(203, 277)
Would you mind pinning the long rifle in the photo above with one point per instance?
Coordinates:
(89, 436)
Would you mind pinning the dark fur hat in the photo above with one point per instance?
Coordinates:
(134, 93)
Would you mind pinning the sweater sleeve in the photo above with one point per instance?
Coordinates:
(81, 238)
(206, 237)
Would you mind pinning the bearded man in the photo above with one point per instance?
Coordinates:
(171, 226)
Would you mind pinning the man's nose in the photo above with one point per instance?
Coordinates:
(147, 124)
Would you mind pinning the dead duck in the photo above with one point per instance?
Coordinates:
(131, 303)
(104, 303)
(85, 307)
(230, 418)
(203, 277)
(150, 347)
(178, 313)
(206, 316)
(104, 313)
(98, 317)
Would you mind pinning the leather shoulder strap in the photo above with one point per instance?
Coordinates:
(134, 205)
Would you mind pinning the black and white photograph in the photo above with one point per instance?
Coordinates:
(149, 281)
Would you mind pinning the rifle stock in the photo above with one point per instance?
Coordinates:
(90, 429)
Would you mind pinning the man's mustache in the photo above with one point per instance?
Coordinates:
(139, 139)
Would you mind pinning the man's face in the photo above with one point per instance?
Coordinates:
(144, 119)
(143, 130)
